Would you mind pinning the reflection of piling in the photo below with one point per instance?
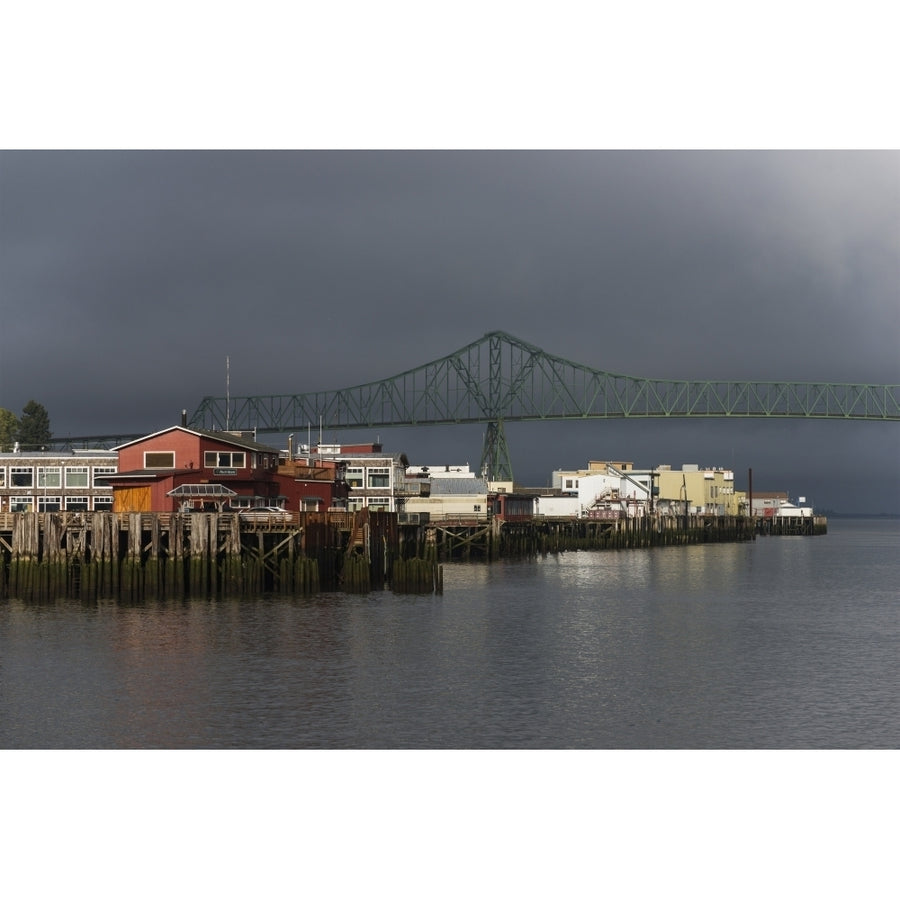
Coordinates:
(417, 576)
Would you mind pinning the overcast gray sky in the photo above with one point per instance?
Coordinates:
(129, 277)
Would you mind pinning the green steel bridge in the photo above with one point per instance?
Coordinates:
(500, 378)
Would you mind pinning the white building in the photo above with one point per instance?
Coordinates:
(563, 506)
(375, 479)
(607, 489)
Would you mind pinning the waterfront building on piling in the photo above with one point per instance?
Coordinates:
(457, 499)
(181, 469)
(76, 481)
(157, 472)
(771, 504)
(375, 479)
(608, 490)
(312, 485)
(698, 491)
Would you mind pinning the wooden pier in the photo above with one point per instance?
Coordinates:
(141, 556)
(137, 556)
(458, 539)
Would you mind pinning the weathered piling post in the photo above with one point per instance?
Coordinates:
(26, 549)
(152, 574)
(173, 565)
(231, 581)
(199, 555)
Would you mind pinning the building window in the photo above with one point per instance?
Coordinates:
(159, 459)
(379, 503)
(49, 477)
(223, 459)
(79, 504)
(103, 503)
(77, 476)
(355, 476)
(100, 473)
(379, 478)
(49, 504)
(355, 503)
(477, 507)
(2, 476)
(21, 504)
(21, 476)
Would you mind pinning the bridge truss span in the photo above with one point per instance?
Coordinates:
(500, 378)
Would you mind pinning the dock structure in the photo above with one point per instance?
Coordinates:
(145, 556)
(138, 556)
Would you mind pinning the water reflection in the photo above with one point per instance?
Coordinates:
(763, 644)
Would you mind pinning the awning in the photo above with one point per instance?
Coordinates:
(201, 490)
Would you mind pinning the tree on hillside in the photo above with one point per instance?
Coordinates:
(9, 425)
(34, 427)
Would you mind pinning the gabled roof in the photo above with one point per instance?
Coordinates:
(223, 437)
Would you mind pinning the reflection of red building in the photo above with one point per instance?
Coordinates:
(203, 468)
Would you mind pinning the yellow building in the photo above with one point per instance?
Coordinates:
(705, 491)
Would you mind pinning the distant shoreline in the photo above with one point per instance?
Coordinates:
(831, 514)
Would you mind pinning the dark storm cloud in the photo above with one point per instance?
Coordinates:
(129, 277)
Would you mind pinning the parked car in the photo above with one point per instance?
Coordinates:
(266, 514)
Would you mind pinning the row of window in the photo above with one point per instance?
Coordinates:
(55, 476)
(212, 459)
(371, 477)
(55, 504)
(373, 503)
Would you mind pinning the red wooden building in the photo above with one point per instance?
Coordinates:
(180, 468)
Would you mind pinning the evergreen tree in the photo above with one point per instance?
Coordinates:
(34, 427)
(9, 426)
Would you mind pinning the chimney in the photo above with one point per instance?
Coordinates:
(184, 418)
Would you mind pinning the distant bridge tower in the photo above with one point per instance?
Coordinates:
(495, 463)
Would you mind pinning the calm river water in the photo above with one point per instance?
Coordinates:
(790, 642)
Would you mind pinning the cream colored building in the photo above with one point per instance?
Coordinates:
(455, 499)
(704, 491)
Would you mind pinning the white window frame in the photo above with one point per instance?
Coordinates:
(224, 459)
(80, 501)
(42, 476)
(43, 502)
(380, 472)
(103, 502)
(352, 471)
(21, 470)
(15, 502)
(72, 471)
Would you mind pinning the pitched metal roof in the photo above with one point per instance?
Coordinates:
(458, 486)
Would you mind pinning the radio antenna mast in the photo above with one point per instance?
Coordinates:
(227, 393)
